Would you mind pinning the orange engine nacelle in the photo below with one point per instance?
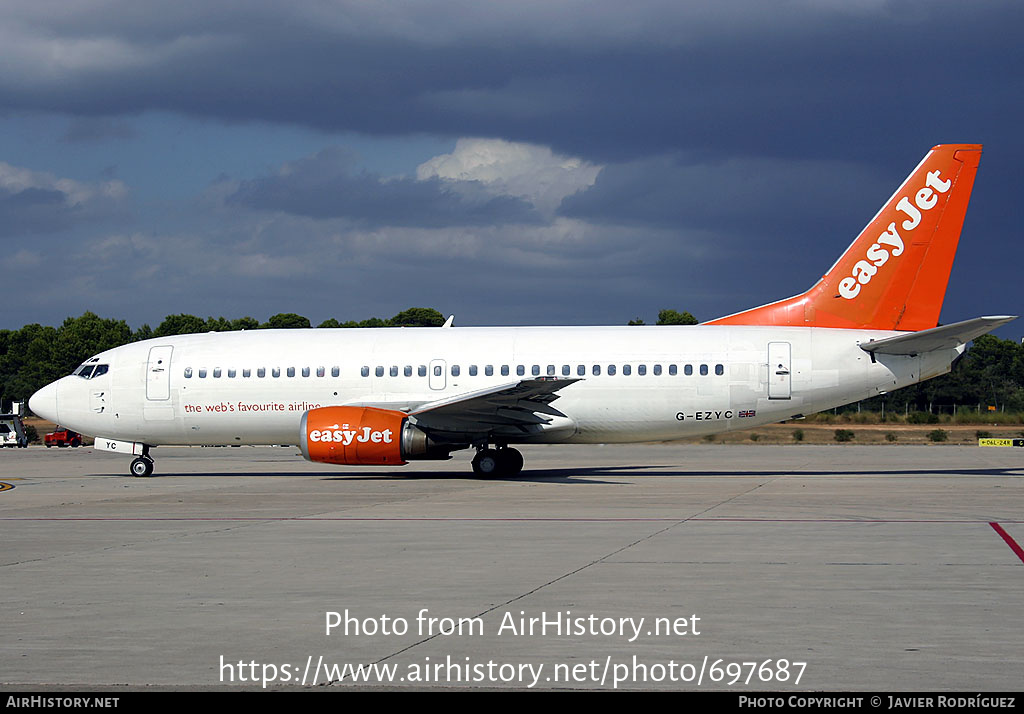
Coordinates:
(354, 435)
(367, 436)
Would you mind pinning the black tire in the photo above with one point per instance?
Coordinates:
(487, 464)
(511, 462)
(141, 467)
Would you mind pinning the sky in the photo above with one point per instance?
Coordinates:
(511, 163)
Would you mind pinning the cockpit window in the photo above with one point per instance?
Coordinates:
(89, 370)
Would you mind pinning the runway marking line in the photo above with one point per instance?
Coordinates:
(1014, 546)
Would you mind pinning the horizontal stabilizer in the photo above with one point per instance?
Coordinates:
(937, 338)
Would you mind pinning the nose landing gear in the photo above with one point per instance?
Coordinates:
(143, 465)
(500, 462)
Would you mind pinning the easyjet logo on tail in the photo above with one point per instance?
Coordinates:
(891, 243)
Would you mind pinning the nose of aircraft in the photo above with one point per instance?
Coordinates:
(44, 403)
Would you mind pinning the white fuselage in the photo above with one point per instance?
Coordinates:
(637, 383)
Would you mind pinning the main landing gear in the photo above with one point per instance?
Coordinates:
(142, 466)
(499, 462)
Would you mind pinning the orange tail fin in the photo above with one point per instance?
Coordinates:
(894, 275)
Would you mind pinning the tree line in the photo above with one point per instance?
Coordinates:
(991, 373)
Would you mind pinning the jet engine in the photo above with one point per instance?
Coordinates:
(365, 436)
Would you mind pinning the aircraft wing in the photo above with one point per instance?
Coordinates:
(937, 338)
(516, 407)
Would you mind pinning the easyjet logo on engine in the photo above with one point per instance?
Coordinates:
(891, 243)
(345, 436)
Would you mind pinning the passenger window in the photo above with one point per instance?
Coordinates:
(379, 371)
(597, 370)
(489, 370)
(611, 370)
(703, 370)
(688, 370)
(520, 369)
(365, 371)
(472, 370)
(627, 369)
(437, 370)
(673, 370)
(422, 370)
(188, 373)
(275, 372)
(394, 370)
(641, 370)
(321, 371)
(261, 372)
(535, 370)
(566, 370)
(305, 371)
(202, 374)
(408, 370)
(231, 374)
(657, 370)
(335, 371)
(247, 372)
(504, 370)
(291, 371)
(719, 369)
(216, 372)
(581, 370)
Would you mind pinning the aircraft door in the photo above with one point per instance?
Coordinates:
(779, 368)
(158, 373)
(437, 373)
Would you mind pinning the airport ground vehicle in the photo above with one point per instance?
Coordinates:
(62, 437)
(12, 431)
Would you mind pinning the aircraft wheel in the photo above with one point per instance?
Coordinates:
(512, 462)
(141, 467)
(486, 463)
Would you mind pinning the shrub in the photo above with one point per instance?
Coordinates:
(982, 434)
(938, 435)
(754, 437)
(890, 437)
(798, 435)
(844, 435)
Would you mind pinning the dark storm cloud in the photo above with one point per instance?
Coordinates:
(323, 186)
(743, 144)
(91, 129)
(758, 197)
(601, 80)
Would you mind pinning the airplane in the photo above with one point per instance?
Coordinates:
(387, 396)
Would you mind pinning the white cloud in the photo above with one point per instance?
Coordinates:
(15, 179)
(527, 171)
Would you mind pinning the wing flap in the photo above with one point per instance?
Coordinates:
(523, 404)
